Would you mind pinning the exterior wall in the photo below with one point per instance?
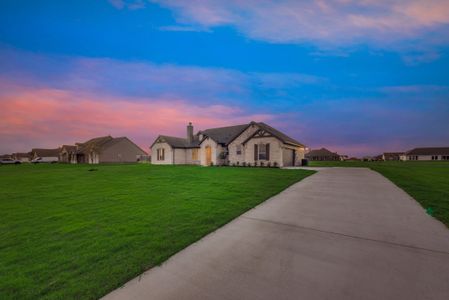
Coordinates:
(189, 159)
(179, 156)
(422, 157)
(168, 154)
(216, 150)
(122, 151)
(232, 147)
(275, 150)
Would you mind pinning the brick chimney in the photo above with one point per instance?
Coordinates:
(190, 132)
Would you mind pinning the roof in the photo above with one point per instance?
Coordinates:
(281, 136)
(69, 147)
(429, 151)
(321, 152)
(177, 142)
(45, 152)
(101, 143)
(224, 135)
(94, 144)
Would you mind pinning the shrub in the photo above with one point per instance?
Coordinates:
(275, 164)
(268, 164)
(244, 164)
(255, 163)
(262, 164)
(238, 163)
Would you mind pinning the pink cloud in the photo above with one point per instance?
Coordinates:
(333, 22)
(51, 117)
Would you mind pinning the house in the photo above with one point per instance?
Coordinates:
(5, 156)
(68, 154)
(104, 149)
(322, 154)
(429, 153)
(255, 143)
(44, 153)
(393, 155)
(23, 157)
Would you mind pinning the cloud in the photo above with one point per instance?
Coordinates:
(145, 79)
(383, 23)
(51, 117)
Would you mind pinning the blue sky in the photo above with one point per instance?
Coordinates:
(358, 77)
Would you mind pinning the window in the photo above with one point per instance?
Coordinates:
(445, 157)
(239, 149)
(160, 154)
(262, 152)
(434, 157)
(195, 154)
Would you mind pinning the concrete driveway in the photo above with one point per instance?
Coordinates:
(343, 233)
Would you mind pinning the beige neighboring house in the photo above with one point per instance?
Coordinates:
(253, 143)
(23, 157)
(393, 156)
(428, 153)
(104, 149)
(51, 154)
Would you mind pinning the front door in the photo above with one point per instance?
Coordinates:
(208, 155)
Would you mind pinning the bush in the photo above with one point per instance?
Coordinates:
(238, 163)
(268, 164)
(255, 163)
(262, 164)
(244, 164)
(275, 164)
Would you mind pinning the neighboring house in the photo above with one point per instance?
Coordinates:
(429, 153)
(68, 154)
(23, 157)
(393, 155)
(104, 149)
(44, 153)
(253, 144)
(322, 154)
(5, 156)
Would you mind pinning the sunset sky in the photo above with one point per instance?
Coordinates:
(358, 77)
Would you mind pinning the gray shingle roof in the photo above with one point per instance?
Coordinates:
(283, 137)
(224, 135)
(177, 142)
(429, 151)
(45, 152)
(100, 143)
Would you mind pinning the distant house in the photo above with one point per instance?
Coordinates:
(393, 155)
(247, 144)
(44, 153)
(68, 154)
(23, 157)
(5, 156)
(429, 153)
(322, 154)
(104, 149)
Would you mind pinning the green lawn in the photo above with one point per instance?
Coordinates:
(427, 182)
(70, 233)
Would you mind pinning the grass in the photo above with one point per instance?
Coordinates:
(77, 232)
(427, 182)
